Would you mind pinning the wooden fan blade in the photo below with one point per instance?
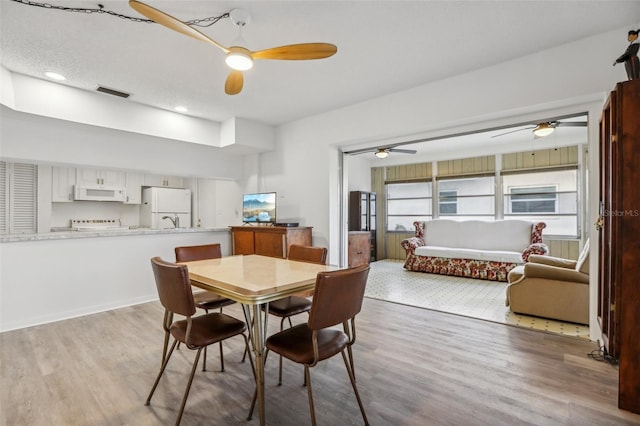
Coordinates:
(234, 83)
(172, 23)
(301, 51)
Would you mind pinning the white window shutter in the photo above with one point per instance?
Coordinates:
(18, 198)
(4, 205)
(23, 198)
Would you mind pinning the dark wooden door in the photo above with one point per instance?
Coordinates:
(606, 279)
(619, 255)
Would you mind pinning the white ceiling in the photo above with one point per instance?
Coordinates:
(383, 47)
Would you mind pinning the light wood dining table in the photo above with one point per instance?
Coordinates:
(253, 281)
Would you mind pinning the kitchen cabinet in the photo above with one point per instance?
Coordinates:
(619, 226)
(62, 181)
(271, 241)
(133, 185)
(163, 181)
(100, 177)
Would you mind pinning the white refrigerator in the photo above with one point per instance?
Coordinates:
(165, 208)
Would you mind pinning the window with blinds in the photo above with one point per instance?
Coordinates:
(18, 198)
(542, 185)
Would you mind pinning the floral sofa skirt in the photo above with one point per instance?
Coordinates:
(470, 268)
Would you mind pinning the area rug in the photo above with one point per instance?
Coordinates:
(480, 299)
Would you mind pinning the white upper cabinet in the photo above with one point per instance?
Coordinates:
(100, 177)
(134, 188)
(164, 181)
(62, 181)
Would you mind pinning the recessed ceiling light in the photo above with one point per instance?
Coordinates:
(180, 108)
(55, 76)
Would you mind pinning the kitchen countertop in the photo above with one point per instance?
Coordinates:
(60, 234)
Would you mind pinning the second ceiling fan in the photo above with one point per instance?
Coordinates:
(384, 152)
(545, 128)
(238, 58)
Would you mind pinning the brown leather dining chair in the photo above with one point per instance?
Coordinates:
(337, 300)
(205, 300)
(195, 332)
(293, 305)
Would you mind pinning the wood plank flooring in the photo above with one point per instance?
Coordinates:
(413, 366)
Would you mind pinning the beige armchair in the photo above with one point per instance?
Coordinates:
(551, 287)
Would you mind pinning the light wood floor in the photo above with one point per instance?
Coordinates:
(413, 366)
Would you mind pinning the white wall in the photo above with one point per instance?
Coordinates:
(359, 174)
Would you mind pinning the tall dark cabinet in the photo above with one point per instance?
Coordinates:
(362, 216)
(619, 224)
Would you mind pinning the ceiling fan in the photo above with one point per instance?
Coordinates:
(384, 152)
(238, 58)
(545, 128)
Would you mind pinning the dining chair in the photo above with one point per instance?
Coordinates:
(292, 305)
(296, 304)
(195, 332)
(337, 300)
(205, 300)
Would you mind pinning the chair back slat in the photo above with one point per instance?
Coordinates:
(193, 253)
(308, 254)
(337, 297)
(174, 287)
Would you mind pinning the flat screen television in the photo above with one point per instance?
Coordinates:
(259, 208)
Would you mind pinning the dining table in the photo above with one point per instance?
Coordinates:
(254, 281)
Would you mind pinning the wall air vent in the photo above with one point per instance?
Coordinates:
(113, 92)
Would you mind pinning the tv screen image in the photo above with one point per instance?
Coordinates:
(259, 208)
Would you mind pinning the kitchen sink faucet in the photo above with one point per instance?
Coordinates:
(175, 220)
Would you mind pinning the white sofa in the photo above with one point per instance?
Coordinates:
(473, 248)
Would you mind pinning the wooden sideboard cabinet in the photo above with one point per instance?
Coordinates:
(271, 241)
(619, 248)
(359, 248)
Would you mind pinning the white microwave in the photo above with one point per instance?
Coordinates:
(99, 193)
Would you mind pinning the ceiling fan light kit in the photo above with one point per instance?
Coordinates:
(382, 153)
(238, 58)
(543, 129)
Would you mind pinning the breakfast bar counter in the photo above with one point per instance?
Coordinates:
(66, 234)
(53, 276)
